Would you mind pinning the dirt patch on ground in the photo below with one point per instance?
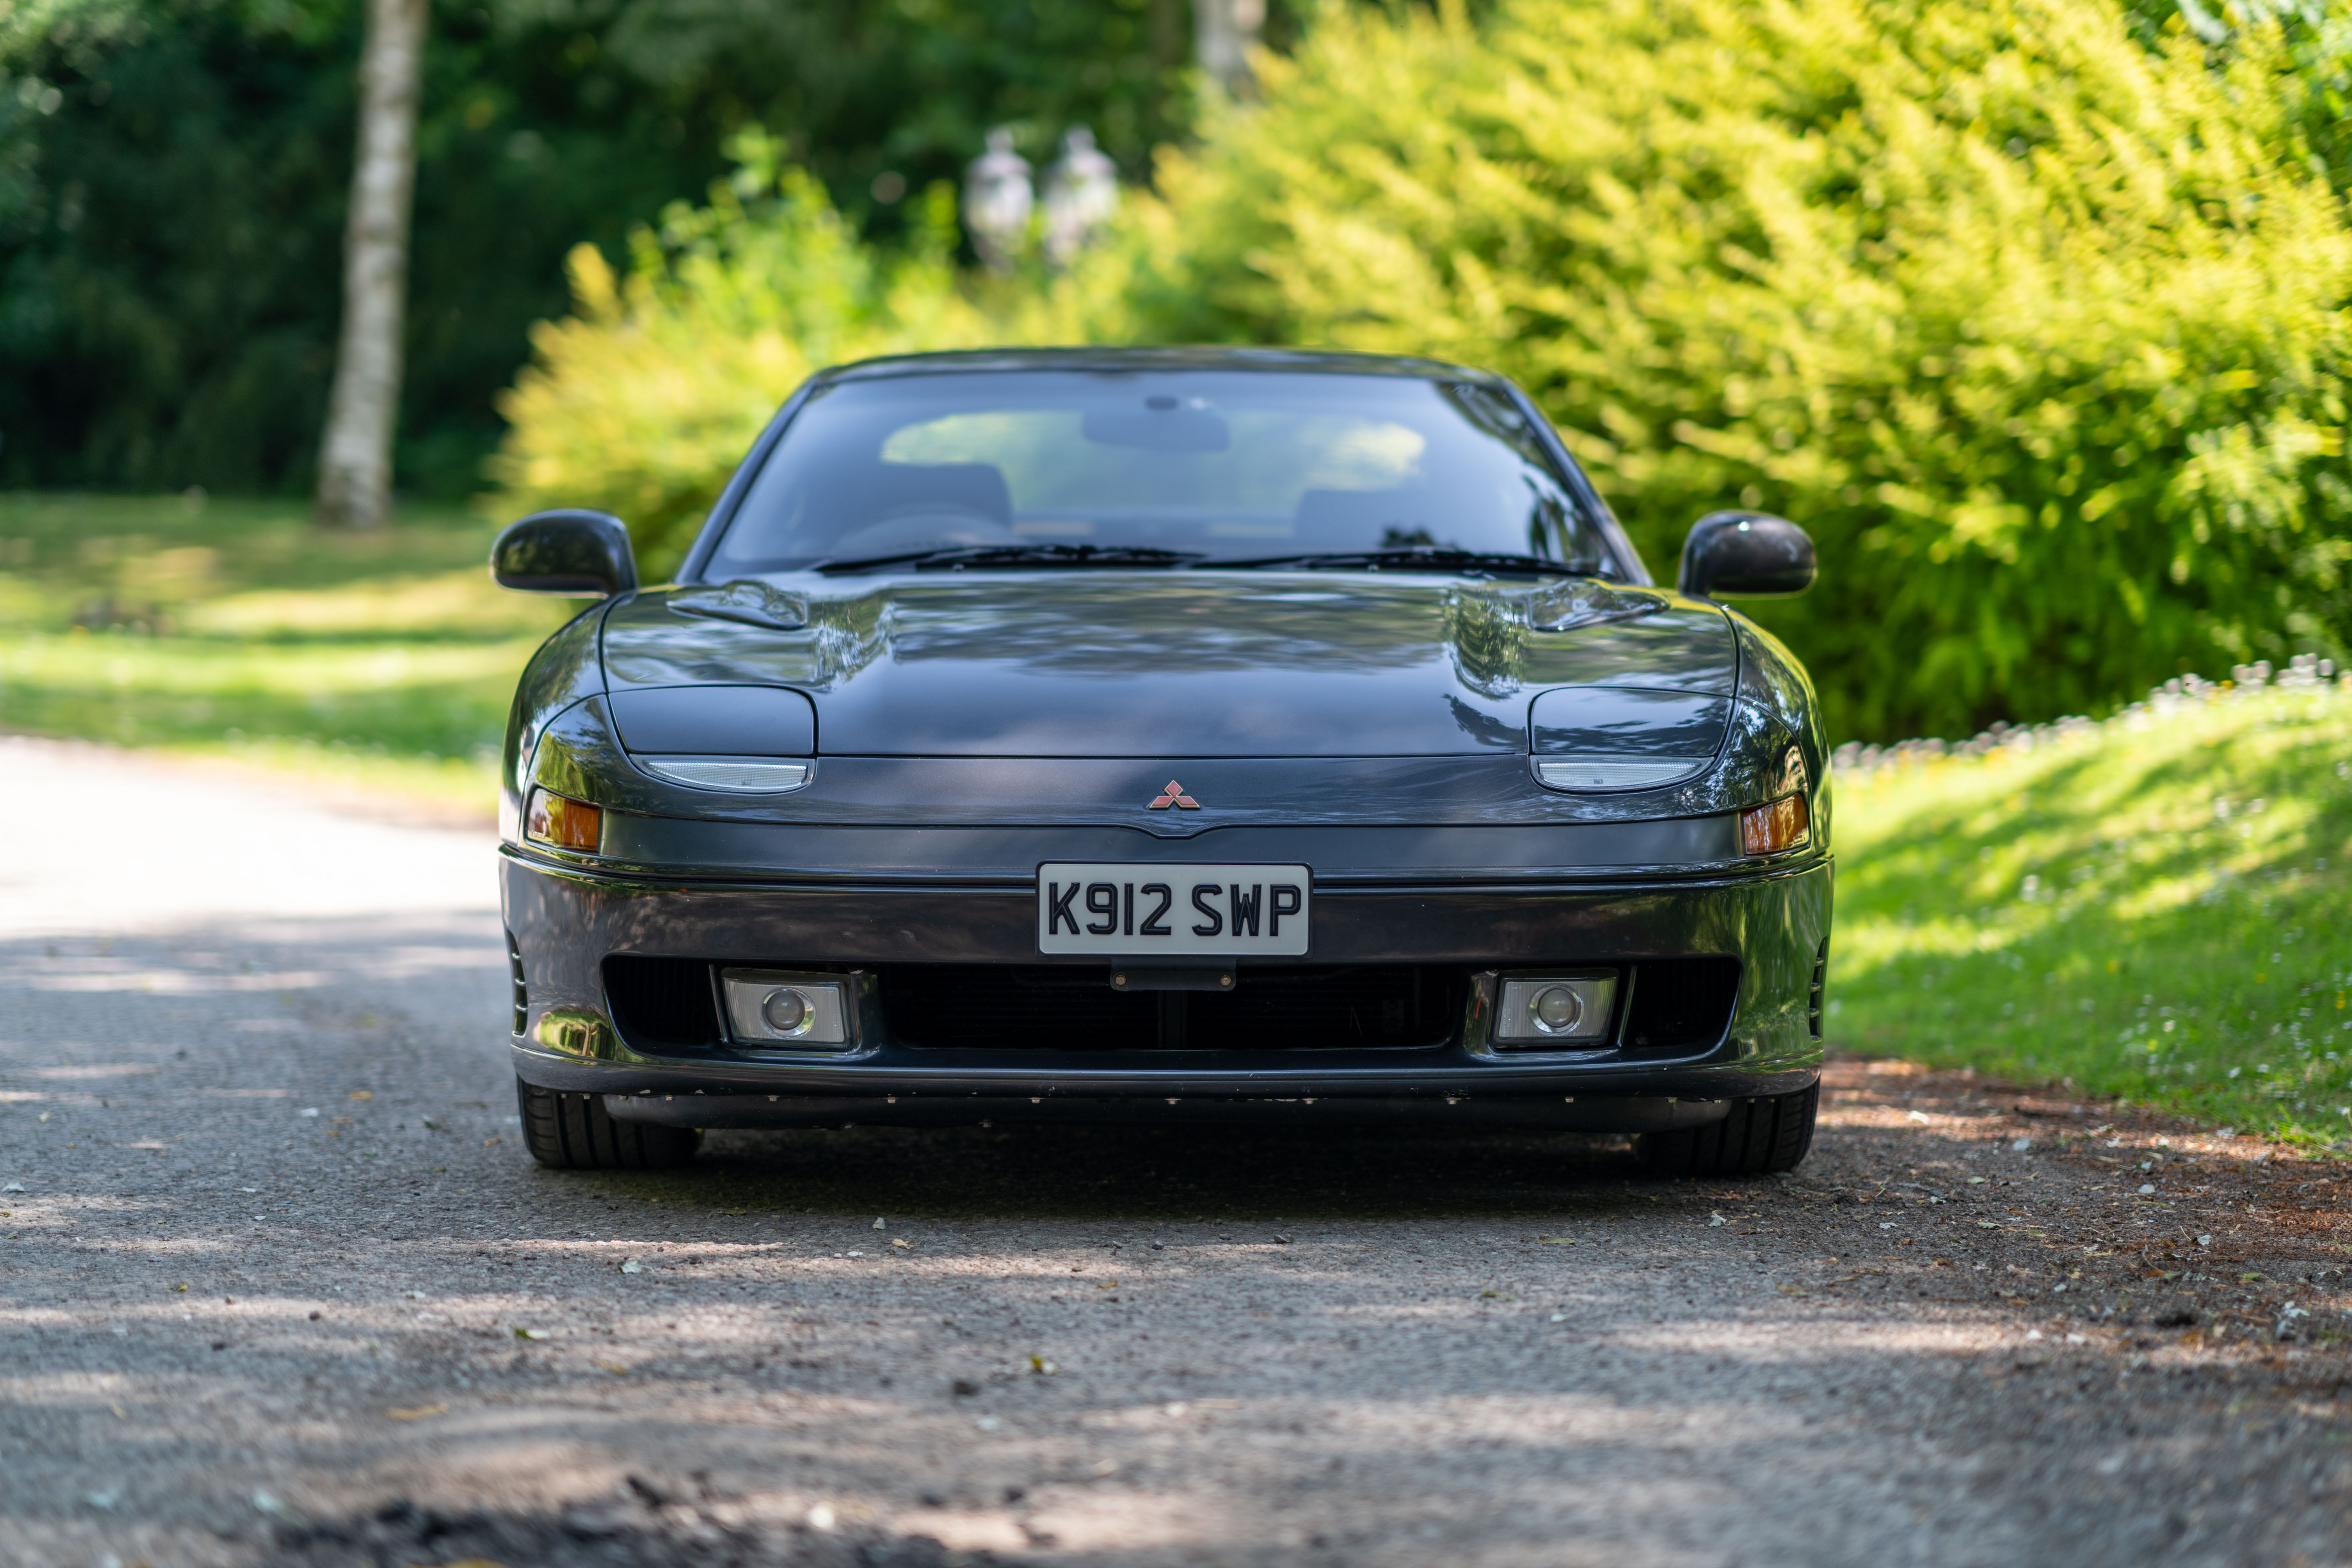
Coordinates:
(2107, 1222)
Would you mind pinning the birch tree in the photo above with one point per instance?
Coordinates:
(355, 454)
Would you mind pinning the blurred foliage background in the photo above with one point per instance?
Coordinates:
(173, 172)
(2032, 311)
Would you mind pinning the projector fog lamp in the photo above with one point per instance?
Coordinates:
(1555, 1012)
(786, 1010)
(774, 1007)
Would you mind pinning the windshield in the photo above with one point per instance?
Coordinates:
(1224, 465)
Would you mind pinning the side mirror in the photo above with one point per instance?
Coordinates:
(579, 554)
(1750, 552)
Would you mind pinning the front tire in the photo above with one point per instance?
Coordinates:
(1760, 1137)
(576, 1132)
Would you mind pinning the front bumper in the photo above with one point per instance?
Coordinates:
(566, 920)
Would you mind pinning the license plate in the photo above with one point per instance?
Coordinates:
(1221, 912)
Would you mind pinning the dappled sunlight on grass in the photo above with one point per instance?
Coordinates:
(463, 606)
(240, 630)
(2156, 908)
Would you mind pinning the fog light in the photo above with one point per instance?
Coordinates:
(776, 1007)
(1555, 1011)
(563, 822)
(786, 1010)
(1783, 824)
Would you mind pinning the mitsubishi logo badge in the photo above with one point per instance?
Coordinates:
(1175, 796)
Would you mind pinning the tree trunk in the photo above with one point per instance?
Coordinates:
(1223, 32)
(355, 455)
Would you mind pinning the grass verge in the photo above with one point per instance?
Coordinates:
(237, 631)
(2155, 908)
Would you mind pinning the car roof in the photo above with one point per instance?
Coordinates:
(1195, 357)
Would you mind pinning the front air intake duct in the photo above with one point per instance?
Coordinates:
(1680, 1007)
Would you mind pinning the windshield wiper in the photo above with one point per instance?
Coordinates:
(1414, 558)
(956, 558)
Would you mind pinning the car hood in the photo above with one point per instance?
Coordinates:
(1167, 664)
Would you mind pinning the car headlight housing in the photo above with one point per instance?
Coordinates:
(730, 775)
(1598, 738)
(736, 740)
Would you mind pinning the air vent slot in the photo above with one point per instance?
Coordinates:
(976, 1006)
(1057, 1008)
(520, 988)
(1813, 1003)
(1681, 1007)
(1350, 1006)
(663, 1004)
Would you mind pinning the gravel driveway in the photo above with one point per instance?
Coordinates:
(278, 1285)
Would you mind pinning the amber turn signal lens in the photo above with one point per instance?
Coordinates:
(1769, 829)
(565, 823)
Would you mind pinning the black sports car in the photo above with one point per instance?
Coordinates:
(1171, 734)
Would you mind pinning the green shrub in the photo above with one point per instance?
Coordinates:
(644, 399)
(2038, 329)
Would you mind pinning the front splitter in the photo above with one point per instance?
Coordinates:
(1609, 1113)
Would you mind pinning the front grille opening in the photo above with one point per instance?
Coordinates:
(1820, 986)
(661, 1002)
(522, 990)
(1350, 1006)
(1053, 1008)
(1681, 1004)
